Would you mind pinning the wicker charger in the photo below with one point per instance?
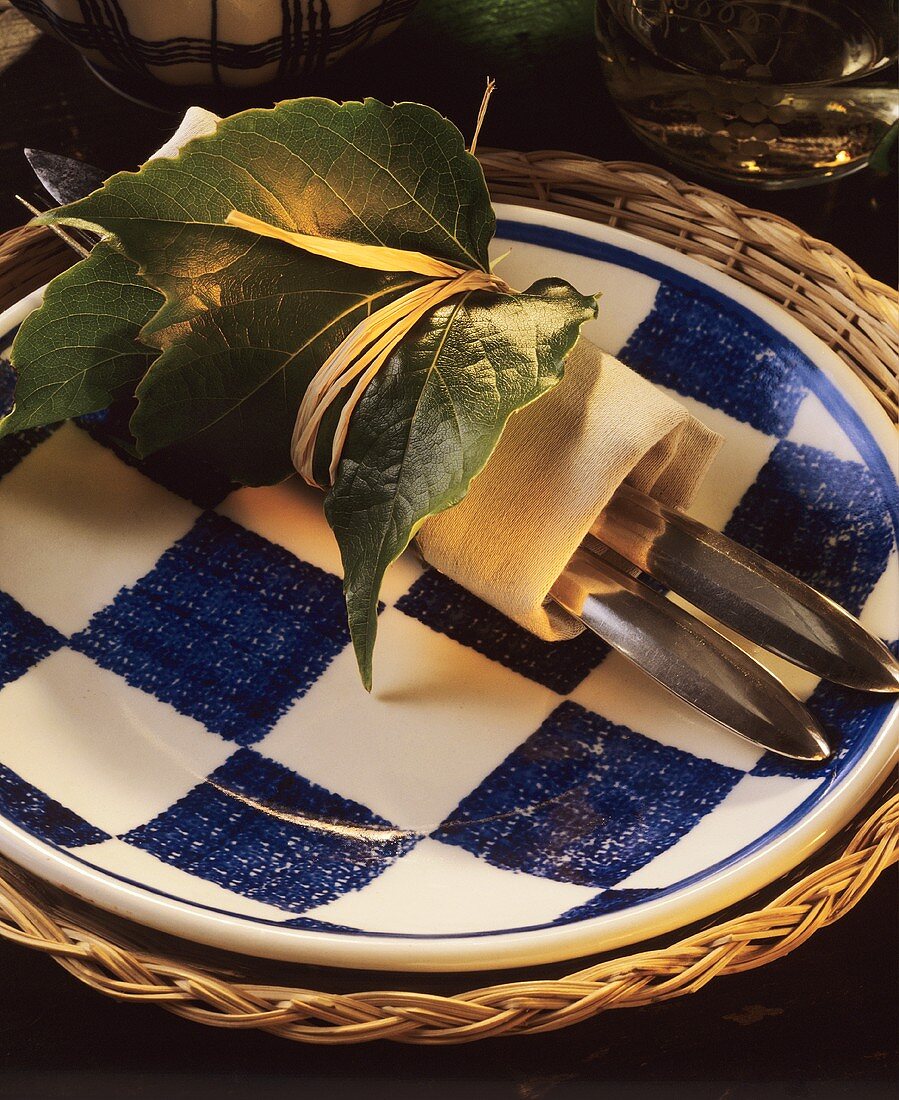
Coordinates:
(835, 299)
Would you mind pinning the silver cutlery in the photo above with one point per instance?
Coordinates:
(688, 657)
(757, 599)
(63, 178)
(742, 590)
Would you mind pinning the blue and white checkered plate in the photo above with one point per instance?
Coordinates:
(184, 739)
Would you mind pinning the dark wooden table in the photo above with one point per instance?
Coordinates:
(821, 1022)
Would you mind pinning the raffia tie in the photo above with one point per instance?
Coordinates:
(365, 350)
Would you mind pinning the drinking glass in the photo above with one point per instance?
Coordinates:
(777, 94)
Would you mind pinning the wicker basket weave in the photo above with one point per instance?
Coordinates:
(836, 300)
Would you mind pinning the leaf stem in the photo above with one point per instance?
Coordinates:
(482, 111)
(61, 233)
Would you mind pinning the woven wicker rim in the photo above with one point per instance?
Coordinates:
(836, 300)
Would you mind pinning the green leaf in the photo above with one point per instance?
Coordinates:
(79, 351)
(883, 160)
(429, 422)
(362, 172)
(228, 385)
(245, 322)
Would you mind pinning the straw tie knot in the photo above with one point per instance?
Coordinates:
(364, 351)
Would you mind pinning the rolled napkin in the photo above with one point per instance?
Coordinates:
(557, 464)
(555, 468)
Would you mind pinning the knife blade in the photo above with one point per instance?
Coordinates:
(64, 178)
(744, 591)
(689, 658)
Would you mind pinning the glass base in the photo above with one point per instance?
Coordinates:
(703, 171)
(764, 96)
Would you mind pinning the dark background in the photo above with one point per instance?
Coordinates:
(821, 1022)
(549, 96)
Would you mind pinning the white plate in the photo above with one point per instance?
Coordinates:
(183, 738)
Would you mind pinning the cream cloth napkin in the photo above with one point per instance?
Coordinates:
(556, 466)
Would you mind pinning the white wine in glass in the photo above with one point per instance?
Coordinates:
(776, 94)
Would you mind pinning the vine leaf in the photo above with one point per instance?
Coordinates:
(79, 352)
(429, 422)
(218, 332)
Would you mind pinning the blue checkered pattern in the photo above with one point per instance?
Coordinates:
(190, 478)
(227, 627)
(721, 359)
(572, 797)
(223, 831)
(445, 606)
(847, 718)
(586, 801)
(33, 810)
(24, 639)
(789, 516)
